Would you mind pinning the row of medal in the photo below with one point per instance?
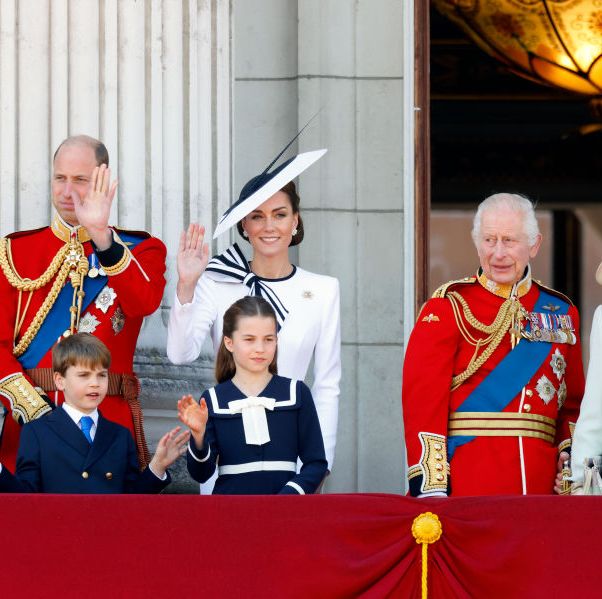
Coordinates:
(95, 267)
(553, 328)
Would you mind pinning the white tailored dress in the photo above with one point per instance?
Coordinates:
(587, 438)
(307, 307)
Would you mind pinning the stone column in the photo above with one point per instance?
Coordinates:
(152, 79)
(343, 59)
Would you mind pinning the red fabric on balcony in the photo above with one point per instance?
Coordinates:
(320, 546)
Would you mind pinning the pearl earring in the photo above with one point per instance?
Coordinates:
(295, 231)
(245, 234)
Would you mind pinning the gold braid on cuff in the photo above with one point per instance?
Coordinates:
(123, 262)
(121, 265)
(433, 463)
(25, 402)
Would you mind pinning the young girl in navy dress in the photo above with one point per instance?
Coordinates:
(254, 422)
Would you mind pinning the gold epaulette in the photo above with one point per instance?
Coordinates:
(554, 292)
(442, 290)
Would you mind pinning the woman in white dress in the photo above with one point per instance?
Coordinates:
(306, 304)
(587, 438)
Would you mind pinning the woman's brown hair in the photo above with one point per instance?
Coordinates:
(225, 368)
(291, 191)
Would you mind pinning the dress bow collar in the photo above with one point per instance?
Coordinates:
(254, 419)
(232, 267)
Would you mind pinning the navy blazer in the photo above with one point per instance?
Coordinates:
(55, 457)
(270, 468)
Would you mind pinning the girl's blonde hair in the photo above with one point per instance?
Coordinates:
(225, 368)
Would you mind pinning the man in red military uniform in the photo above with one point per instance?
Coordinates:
(78, 274)
(493, 375)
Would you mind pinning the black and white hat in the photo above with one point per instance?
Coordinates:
(256, 191)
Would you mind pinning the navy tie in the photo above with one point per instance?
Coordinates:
(86, 423)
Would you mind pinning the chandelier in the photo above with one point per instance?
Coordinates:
(556, 42)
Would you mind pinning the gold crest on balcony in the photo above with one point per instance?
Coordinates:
(557, 42)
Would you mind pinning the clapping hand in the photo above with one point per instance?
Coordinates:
(171, 446)
(93, 211)
(194, 415)
(192, 259)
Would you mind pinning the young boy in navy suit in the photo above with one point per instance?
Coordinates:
(73, 449)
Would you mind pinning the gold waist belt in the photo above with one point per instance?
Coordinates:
(501, 424)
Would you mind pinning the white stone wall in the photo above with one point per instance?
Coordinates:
(291, 59)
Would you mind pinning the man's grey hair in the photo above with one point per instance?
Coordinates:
(511, 201)
(101, 153)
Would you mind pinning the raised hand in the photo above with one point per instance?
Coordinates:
(171, 446)
(192, 259)
(94, 209)
(194, 415)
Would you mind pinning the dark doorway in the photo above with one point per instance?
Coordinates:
(492, 131)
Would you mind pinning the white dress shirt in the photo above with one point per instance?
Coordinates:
(76, 416)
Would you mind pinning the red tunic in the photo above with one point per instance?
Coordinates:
(487, 465)
(118, 327)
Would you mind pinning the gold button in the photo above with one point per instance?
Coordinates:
(529, 393)
(439, 477)
(527, 407)
(438, 446)
(85, 474)
(109, 475)
(438, 456)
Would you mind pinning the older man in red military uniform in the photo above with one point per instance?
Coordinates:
(493, 375)
(79, 274)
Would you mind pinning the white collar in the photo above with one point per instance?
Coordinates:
(76, 414)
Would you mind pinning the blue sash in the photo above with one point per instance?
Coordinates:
(508, 378)
(58, 319)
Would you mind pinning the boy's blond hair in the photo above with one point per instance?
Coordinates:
(81, 348)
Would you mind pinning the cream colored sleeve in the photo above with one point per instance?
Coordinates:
(587, 440)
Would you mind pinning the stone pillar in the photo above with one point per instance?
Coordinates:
(344, 59)
(152, 79)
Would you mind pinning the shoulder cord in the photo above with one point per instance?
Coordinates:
(10, 272)
(70, 256)
(496, 331)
